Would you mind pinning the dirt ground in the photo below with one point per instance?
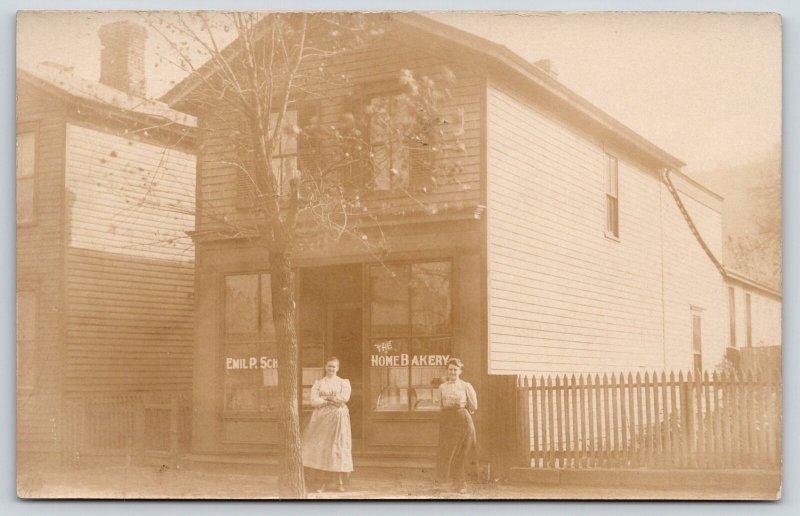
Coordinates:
(171, 483)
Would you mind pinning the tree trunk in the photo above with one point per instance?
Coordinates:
(290, 476)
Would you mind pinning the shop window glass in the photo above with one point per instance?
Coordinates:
(405, 372)
(430, 298)
(250, 368)
(389, 378)
(389, 300)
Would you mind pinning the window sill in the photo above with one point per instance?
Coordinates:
(611, 236)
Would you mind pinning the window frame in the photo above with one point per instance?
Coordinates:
(612, 222)
(410, 336)
(697, 340)
(245, 189)
(230, 341)
(31, 127)
(363, 95)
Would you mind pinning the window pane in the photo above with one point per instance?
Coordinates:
(26, 154)
(284, 168)
(25, 191)
(428, 370)
(389, 375)
(389, 300)
(430, 298)
(612, 222)
(612, 176)
(287, 139)
(388, 119)
(241, 304)
(310, 375)
(241, 390)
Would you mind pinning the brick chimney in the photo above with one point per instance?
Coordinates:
(122, 57)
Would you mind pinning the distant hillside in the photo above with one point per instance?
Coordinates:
(751, 216)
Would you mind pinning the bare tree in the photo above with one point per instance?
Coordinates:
(304, 180)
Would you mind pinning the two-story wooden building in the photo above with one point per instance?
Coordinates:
(105, 194)
(567, 243)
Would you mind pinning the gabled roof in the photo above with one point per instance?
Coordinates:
(63, 82)
(498, 57)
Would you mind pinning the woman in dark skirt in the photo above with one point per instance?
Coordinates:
(456, 429)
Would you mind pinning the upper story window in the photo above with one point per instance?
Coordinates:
(26, 171)
(284, 159)
(612, 196)
(388, 152)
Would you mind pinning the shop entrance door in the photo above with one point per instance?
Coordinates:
(344, 341)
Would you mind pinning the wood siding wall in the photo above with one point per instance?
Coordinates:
(382, 62)
(130, 264)
(692, 282)
(563, 296)
(765, 316)
(39, 264)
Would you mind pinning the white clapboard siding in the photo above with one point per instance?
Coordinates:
(130, 265)
(562, 296)
(691, 281)
(129, 197)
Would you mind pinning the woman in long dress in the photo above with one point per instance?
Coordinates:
(457, 437)
(327, 440)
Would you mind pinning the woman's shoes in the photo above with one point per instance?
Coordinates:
(331, 487)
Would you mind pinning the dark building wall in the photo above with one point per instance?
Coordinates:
(40, 262)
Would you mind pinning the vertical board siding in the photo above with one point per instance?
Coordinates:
(130, 279)
(381, 62)
(564, 297)
(39, 265)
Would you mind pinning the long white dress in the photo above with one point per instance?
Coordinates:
(327, 439)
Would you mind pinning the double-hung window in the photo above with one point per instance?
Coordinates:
(612, 196)
(387, 115)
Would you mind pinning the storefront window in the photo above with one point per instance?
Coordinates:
(411, 335)
(250, 361)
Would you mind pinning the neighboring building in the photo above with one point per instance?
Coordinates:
(105, 193)
(754, 313)
(558, 248)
